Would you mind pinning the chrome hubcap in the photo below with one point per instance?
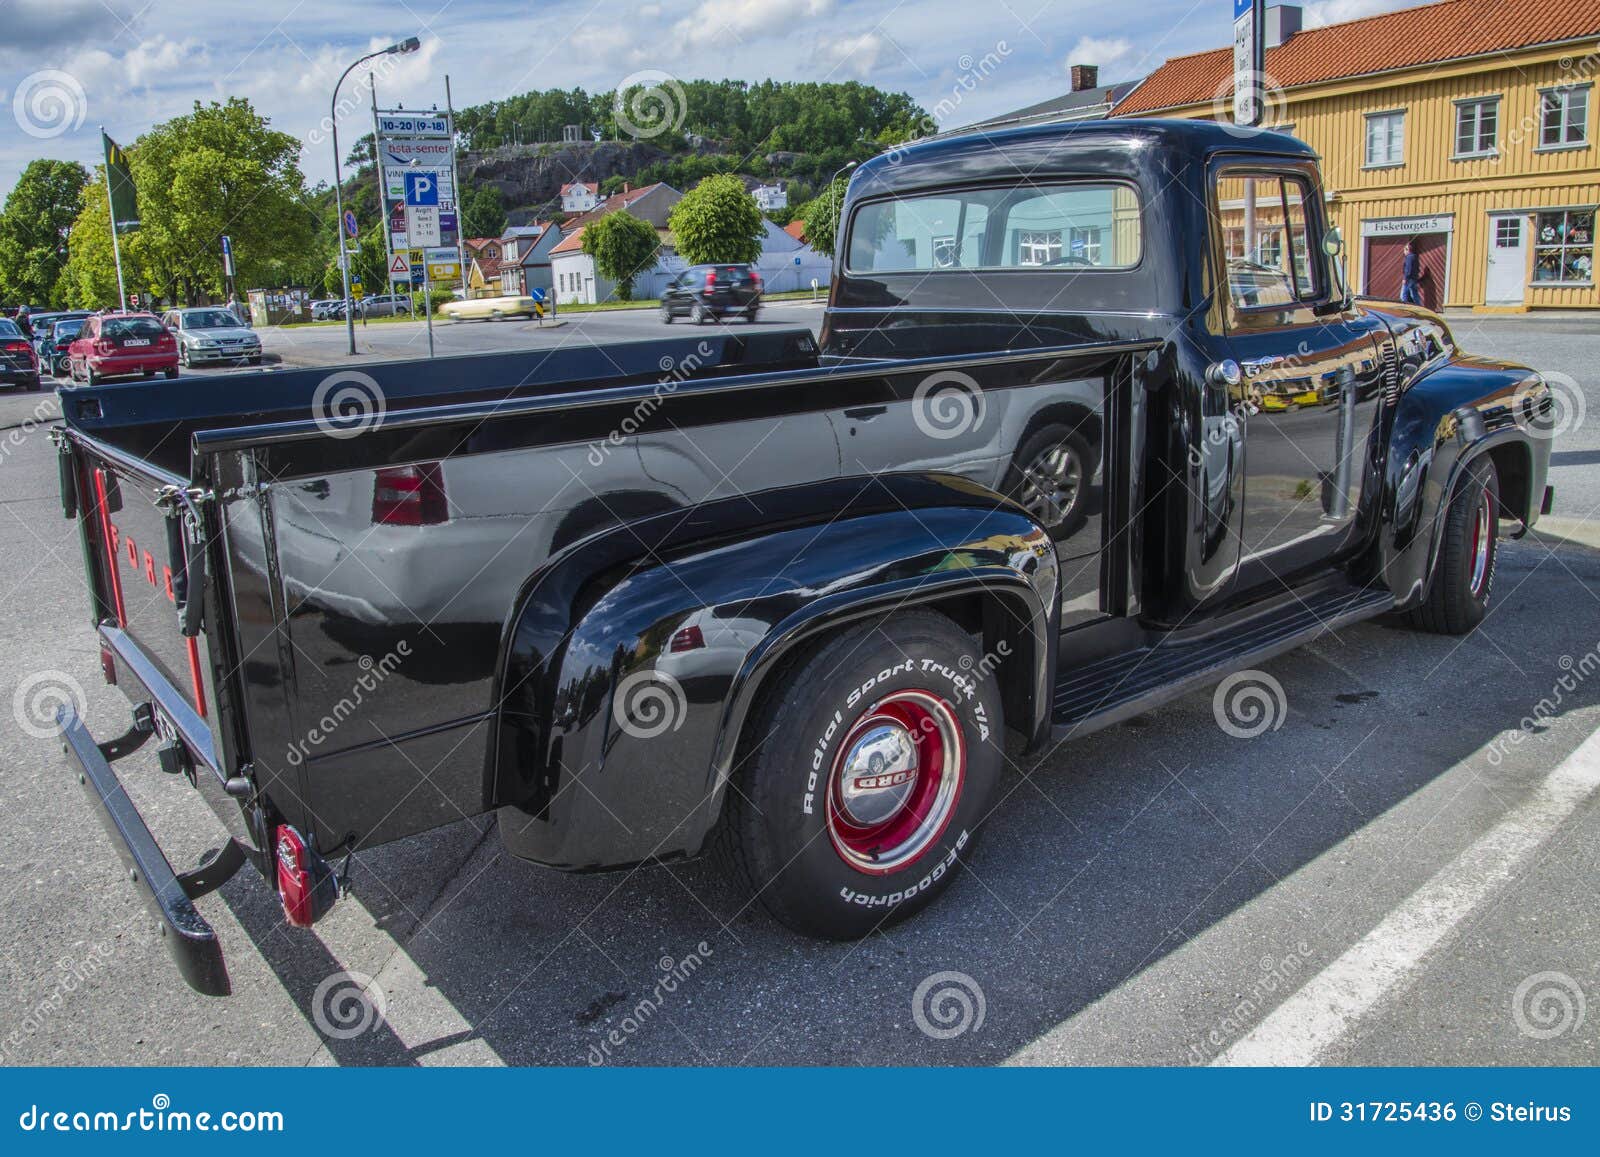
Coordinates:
(1480, 546)
(1051, 485)
(895, 781)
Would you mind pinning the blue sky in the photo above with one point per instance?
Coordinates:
(67, 66)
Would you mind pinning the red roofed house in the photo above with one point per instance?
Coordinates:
(577, 280)
(579, 196)
(1467, 126)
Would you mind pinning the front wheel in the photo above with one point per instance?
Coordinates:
(666, 313)
(866, 771)
(1050, 477)
(700, 314)
(1463, 575)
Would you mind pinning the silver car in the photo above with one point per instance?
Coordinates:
(212, 334)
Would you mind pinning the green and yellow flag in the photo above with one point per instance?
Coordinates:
(124, 199)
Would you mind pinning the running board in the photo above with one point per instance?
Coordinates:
(1111, 690)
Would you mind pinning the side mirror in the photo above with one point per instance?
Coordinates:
(1333, 247)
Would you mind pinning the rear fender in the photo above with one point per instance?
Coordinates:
(1465, 408)
(634, 657)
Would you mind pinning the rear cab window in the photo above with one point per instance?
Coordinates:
(1077, 227)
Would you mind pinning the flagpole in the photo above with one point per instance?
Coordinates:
(111, 214)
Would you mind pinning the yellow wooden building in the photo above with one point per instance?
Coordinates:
(1467, 127)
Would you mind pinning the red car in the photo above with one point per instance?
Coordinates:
(112, 345)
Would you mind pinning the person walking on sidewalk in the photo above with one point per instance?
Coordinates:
(1411, 276)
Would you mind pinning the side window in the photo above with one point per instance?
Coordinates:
(1266, 239)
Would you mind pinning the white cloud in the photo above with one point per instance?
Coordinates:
(1325, 12)
(733, 22)
(1106, 51)
(849, 55)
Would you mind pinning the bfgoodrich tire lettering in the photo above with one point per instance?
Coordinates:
(865, 771)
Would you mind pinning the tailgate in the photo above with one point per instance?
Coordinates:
(138, 549)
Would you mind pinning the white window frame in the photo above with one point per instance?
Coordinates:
(1392, 117)
(1043, 245)
(1566, 92)
(1475, 106)
(1092, 237)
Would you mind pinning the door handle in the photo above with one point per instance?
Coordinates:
(866, 413)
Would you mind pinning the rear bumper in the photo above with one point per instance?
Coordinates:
(110, 367)
(190, 940)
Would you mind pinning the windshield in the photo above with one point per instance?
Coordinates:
(209, 319)
(130, 327)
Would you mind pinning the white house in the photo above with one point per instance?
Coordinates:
(770, 197)
(579, 197)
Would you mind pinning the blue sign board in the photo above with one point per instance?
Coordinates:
(350, 222)
(422, 188)
(1240, 7)
(536, 293)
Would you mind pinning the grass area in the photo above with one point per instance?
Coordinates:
(340, 322)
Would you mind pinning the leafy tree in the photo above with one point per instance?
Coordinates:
(89, 280)
(219, 170)
(482, 214)
(36, 228)
(717, 221)
(623, 246)
(822, 217)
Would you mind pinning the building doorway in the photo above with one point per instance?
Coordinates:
(1384, 256)
(1506, 280)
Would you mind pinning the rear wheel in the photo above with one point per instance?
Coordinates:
(172, 373)
(666, 313)
(1050, 476)
(750, 316)
(700, 314)
(866, 771)
(89, 376)
(496, 315)
(1463, 576)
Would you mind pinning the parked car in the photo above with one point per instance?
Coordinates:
(52, 342)
(327, 309)
(385, 305)
(41, 324)
(117, 345)
(704, 293)
(212, 334)
(489, 308)
(804, 598)
(19, 364)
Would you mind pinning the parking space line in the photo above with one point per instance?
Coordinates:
(1314, 1018)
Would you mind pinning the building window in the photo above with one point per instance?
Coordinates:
(1563, 117)
(1477, 124)
(1084, 242)
(1563, 248)
(1038, 247)
(1507, 232)
(1386, 139)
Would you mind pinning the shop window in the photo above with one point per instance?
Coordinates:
(1563, 117)
(1563, 248)
(1386, 139)
(1477, 122)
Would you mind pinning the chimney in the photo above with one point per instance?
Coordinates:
(1282, 23)
(1086, 76)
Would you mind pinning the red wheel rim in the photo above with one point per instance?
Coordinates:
(895, 782)
(1479, 578)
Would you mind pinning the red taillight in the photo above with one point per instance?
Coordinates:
(17, 347)
(410, 496)
(711, 278)
(755, 279)
(165, 339)
(103, 345)
(688, 639)
(306, 882)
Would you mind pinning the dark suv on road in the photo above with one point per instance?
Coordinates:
(703, 293)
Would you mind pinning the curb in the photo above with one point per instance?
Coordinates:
(1554, 530)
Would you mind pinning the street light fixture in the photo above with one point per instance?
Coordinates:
(410, 44)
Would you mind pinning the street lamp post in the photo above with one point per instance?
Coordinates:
(410, 44)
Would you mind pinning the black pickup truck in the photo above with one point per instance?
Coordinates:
(1093, 420)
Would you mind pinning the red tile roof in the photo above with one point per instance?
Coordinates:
(796, 229)
(565, 189)
(1409, 38)
(572, 244)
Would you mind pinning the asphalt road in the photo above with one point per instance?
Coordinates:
(1392, 875)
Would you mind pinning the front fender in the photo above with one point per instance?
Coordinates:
(1462, 408)
(634, 657)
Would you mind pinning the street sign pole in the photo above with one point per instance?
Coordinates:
(455, 186)
(427, 301)
(1249, 69)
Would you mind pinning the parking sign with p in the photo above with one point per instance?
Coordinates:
(422, 188)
